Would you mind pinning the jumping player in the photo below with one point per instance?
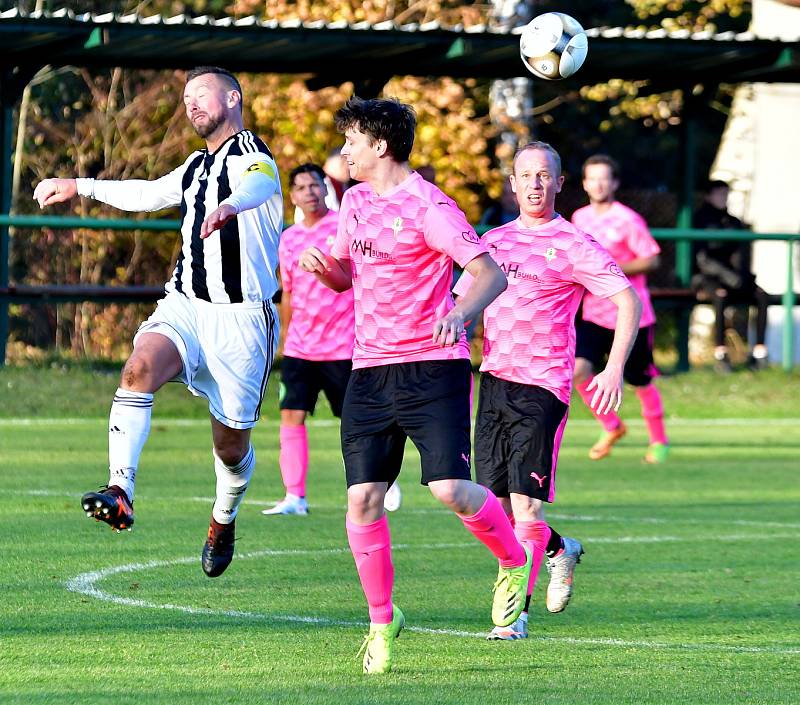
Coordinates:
(216, 328)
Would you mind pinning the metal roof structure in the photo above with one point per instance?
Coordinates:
(335, 52)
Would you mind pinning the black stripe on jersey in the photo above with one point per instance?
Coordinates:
(188, 175)
(260, 146)
(199, 276)
(267, 308)
(229, 233)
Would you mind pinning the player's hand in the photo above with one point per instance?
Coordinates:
(448, 330)
(216, 219)
(52, 191)
(314, 261)
(607, 387)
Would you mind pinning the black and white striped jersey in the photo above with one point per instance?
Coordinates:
(238, 263)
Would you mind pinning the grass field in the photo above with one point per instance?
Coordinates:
(688, 592)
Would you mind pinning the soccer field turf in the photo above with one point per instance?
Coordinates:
(687, 592)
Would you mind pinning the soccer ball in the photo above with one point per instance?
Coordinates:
(553, 46)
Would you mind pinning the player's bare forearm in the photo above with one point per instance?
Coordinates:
(640, 265)
(488, 283)
(285, 316)
(334, 273)
(629, 312)
(607, 385)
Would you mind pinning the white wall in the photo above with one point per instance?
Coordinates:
(760, 157)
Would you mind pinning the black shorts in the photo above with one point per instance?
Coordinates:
(426, 401)
(594, 344)
(303, 380)
(518, 433)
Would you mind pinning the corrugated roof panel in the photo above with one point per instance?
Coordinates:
(364, 50)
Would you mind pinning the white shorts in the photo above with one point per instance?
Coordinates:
(227, 352)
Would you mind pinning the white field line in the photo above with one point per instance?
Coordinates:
(86, 584)
(324, 423)
(446, 512)
(583, 518)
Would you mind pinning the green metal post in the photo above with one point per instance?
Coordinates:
(788, 310)
(683, 248)
(6, 144)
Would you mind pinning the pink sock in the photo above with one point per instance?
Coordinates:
(609, 421)
(293, 458)
(534, 535)
(491, 527)
(372, 550)
(653, 413)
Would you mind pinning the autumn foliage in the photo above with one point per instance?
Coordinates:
(120, 124)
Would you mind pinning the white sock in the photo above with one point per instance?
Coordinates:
(231, 486)
(128, 428)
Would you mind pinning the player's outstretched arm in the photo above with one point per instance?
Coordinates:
(258, 185)
(127, 194)
(607, 384)
(487, 284)
(334, 273)
(52, 191)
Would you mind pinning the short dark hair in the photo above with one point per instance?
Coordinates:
(226, 76)
(711, 184)
(381, 119)
(602, 159)
(307, 168)
(544, 147)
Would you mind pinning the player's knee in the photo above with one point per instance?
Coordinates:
(230, 453)
(363, 499)
(137, 374)
(450, 494)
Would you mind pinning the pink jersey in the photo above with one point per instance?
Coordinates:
(529, 330)
(623, 232)
(322, 323)
(401, 246)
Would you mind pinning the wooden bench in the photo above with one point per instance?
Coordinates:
(65, 293)
(681, 297)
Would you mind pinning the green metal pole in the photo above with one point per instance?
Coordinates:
(788, 310)
(70, 222)
(6, 144)
(683, 248)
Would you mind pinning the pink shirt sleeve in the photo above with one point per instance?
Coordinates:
(596, 270)
(641, 242)
(446, 230)
(341, 245)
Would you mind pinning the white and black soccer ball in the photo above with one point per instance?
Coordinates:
(553, 46)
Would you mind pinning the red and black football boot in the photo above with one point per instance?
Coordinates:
(110, 505)
(218, 550)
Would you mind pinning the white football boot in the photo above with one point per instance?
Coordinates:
(562, 569)
(291, 504)
(515, 630)
(393, 498)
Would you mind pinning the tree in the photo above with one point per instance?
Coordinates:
(123, 124)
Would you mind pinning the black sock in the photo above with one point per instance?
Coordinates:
(555, 544)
